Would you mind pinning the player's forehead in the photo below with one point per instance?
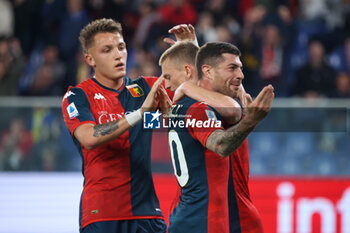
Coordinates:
(231, 59)
(107, 38)
(169, 65)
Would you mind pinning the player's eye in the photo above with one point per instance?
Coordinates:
(121, 46)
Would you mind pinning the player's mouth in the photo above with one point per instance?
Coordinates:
(119, 66)
(235, 85)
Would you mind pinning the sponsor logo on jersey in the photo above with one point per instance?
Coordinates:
(72, 111)
(69, 93)
(99, 96)
(135, 90)
(151, 120)
(105, 117)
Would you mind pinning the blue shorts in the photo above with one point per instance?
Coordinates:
(127, 226)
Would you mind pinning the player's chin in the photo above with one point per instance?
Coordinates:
(120, 74)
(233, 91)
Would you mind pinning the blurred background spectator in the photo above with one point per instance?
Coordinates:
(316, 77)
(15, 146)
(12, 62)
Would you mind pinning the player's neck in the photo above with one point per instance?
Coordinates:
(115, 83)
(206, 84)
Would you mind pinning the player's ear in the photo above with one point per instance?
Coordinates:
(89, 60)
(189, 71)
(206, 70)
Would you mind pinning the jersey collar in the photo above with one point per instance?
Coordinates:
(110, 89)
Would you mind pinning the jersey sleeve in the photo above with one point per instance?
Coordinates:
(152, 80)
(209, 121)
(76, 109)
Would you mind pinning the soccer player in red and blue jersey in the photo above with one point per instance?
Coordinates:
(103, 115)
(202, 174)
(220, 62)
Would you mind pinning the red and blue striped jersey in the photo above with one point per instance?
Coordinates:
(201, 174)
(118, 181)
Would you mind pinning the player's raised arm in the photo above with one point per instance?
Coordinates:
(224, 142)
(92, 136)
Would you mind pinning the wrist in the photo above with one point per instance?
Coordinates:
(134, 117)
(248, 124)
(195, 41)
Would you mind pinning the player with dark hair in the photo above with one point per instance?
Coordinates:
(103, 115)
(200, 156)
(223, 57)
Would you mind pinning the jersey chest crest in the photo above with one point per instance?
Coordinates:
(135, 90)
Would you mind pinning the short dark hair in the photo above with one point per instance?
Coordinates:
(184, 51)
(87, 34)
(211, 54)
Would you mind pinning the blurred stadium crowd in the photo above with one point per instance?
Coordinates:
(302, 47)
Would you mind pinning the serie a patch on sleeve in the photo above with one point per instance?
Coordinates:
(211, 115)
(135, 90)
(72, 111)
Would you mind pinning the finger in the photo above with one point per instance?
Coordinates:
(175, 28)
(243, 100)
(268, 94)
(191, 28)
(261, 95)
(165, 95)
(187, 29)
(182, 27)
(267, 99)
(242, 96)
(157, 84)
(169, 41)
(171, 30)
(248, 98)
(165, 102)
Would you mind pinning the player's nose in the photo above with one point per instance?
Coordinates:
(117, 54)
(241, 75)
